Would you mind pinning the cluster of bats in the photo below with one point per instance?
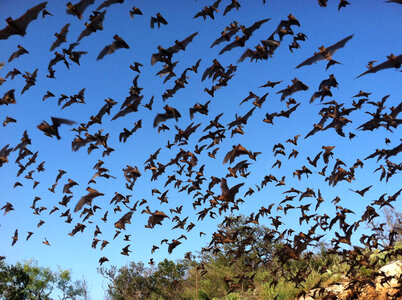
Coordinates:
(184, 172)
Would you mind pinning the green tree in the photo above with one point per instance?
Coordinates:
(135, 281)
(167, 279)
(29, 281)
(128, 282)
(13, 282)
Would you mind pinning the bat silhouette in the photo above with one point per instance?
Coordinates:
(117, 44)
(79, 8)
(19, 26)
(325, 53)
(159, 19)
(51, 130)
(107, 3)
(21, 50)
(61, 37)
(391, 62)
(169, 114)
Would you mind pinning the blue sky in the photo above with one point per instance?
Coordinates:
(374, 25)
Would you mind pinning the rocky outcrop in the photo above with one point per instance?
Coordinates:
(386, 285)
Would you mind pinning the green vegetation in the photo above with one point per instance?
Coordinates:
(233, 271)
(29, 281)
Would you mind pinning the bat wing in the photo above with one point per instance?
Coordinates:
(311, 60)
(233, 191)
(230, 46)
(385, 65)
(122, 113)
(6, 33)
(160, 118)
(64, 30)
(155, 58)
(31, 14)
(247, 53)
(224, 186)
(152, 23)
(120, 43)
(53, 62)
(216, 4)
(162, 20)
(84, 200)
(229, 8)
(58, 121)
(106, 50)
(107, 3)
(189, 39)
(83, 4)
(58, 41)
(332, 49)
(200, 14)
(207, 72)
(221, 39)
(255, 26)
(15, 55)
(288, 112)
(183, 44)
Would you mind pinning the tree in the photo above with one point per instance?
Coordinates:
(390, 230)
(135, 281)
(128, 282)
(13, 282)
(29, 281)
(167, 278)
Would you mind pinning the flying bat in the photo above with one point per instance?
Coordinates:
(61, 37)
(296, 86)
(391, 62)
(87, 199)
(79, 8)
(325, 53)
(117, 44)
(169, 114)
(53, 129)
(21, 50)
(167, 53)
(159, 19)
(19, 26)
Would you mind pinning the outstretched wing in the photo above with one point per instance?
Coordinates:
(332, 49)
(63, 33)
(309, 61)
(23, 21)
(385, 65)
(107, 3)
(247, 53)
(104, 52)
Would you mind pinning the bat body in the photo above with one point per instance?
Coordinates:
(51, 130)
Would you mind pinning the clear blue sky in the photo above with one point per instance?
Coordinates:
(375, 26)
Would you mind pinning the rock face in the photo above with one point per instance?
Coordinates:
(387, 285)
(389, 279)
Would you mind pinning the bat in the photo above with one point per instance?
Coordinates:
(19, 26)
(109, 49)
(391, 62)
(325, 53)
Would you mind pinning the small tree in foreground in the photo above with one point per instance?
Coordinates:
(29, 281)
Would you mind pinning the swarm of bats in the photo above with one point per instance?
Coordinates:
(212, 196)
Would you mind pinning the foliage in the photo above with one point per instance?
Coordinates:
(136, 281)
(29, 281)
(224, 274)
(390, 228)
